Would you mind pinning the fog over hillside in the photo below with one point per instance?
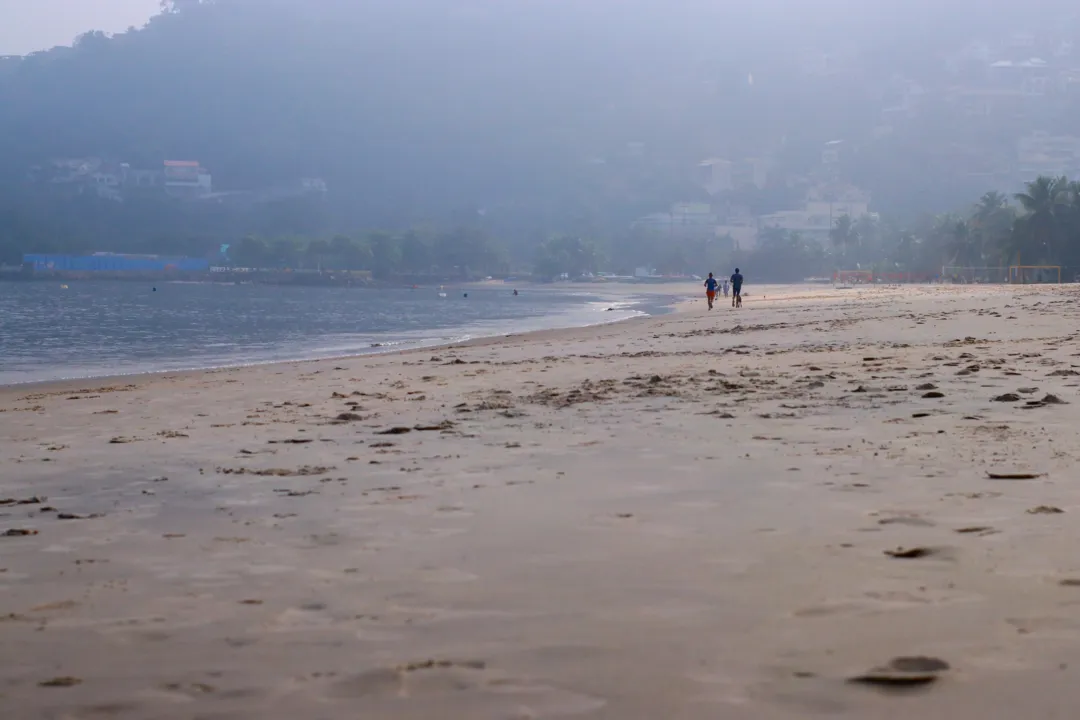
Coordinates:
(529, 118)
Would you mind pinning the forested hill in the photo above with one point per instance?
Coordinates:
(424, 107)
(529, 116)
(443, 103)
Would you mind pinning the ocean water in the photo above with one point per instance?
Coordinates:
(94, 329)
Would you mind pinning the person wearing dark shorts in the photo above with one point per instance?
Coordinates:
(710, 290)
(736, 289)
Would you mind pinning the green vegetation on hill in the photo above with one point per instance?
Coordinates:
(486, 136)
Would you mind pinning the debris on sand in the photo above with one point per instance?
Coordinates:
(934, 395)
(911, 553)
(440, 427)
(926, 387)
(61, 682)
(1045, 510)
(19, 532)
(24, 501)
(976, 530)
(172, 434)
(1007, 398)
(1013, 476)
(305, 471)
(903, 672)
(395, 431)
(348, 417)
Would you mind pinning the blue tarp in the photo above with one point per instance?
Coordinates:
(115, 263)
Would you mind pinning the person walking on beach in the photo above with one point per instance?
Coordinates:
(725, 287)
(710, 290)
(736, 289)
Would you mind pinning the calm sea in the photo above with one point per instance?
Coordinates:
(93, 329)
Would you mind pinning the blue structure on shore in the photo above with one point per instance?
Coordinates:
(113, 262)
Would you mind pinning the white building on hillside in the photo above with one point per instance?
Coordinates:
(187, 179)
(719, 175)
(820, 211)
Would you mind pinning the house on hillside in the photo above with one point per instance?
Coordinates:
(135, 179)
(821, 209)
(718, 175)
(187, 179)
(684, 220)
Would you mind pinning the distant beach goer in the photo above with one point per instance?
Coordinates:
(736, 289)
(515, 293)
(710, 290)
(725, 287)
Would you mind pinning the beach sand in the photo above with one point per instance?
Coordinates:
(678, 517)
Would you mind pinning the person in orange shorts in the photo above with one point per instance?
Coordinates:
(710, 290)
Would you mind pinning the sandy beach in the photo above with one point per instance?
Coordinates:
(681, 517)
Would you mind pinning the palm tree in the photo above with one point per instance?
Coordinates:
(1045, 205)
(991, 222)
(964, 245)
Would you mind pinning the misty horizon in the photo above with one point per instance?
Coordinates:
(548, 136)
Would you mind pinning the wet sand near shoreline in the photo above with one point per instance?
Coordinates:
(828, 504)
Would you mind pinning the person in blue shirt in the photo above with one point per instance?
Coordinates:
(736, 289)
(710, 290)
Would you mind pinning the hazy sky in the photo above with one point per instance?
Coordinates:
(29, 25)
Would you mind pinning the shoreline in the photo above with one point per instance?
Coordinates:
(484, 341)
(688, 303)
(687, 516)
(622, 293)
